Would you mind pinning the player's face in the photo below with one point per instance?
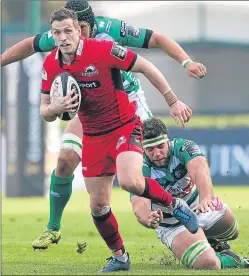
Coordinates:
(66, 34)
(158, 154)
(85, 29)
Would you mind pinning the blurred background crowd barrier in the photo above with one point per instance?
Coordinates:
(214, 33)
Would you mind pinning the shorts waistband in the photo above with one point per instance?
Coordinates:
(110, 130)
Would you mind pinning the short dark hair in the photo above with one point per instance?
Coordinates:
(153, 128)
(62, 14)
(83, 10)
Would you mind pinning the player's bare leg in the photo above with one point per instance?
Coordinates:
(61, 183)
(131, 179)
(220, 233)
(185, 245)
(99, 189)
(215, 234)
(195, 251)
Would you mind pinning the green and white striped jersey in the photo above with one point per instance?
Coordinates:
(174, 177)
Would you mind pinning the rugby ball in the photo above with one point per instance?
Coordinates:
(64, 83)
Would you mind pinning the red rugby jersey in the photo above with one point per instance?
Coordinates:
(96, 67)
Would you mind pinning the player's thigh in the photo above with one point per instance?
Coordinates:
(99, 189)
(71, 149)
(194, 251)
(129, 170)
(225, 228)
(96, 158)
(129, 156)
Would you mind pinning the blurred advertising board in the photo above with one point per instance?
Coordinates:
(227, 151)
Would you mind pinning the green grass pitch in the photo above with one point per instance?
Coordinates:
(23, 219)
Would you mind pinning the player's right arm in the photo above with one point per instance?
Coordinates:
(52, 104)
(17, 52)
(40, 43)
(47, 113)
(189, 153)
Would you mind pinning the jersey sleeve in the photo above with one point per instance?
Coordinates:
(44, 42)
(47, 77)
(123, 33)
(116, 56)
(186, 150)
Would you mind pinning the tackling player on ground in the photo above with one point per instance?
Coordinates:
(111, 127)
(70, 153)
(180, 167)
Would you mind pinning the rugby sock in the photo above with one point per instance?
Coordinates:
(154, 191)
(124, 258)
(59, 194)
(107, 226)
(226, 261)
(229, 259)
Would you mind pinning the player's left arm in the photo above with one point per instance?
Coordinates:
(116, 56)
(142, 207)
(197, 166)
(178, 110)
(173, 49)
(131, 36)
(17, 52)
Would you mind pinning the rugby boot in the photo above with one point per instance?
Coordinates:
(241, 262)
(46, 239)
(115, 265)
(184, 215)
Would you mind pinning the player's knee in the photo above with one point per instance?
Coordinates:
(126, 183)
(131, 183)
(67, 163)
(200, 255)
(72, 143)
(231, 233)
(235, 235)
(99, 210)
(236, 230)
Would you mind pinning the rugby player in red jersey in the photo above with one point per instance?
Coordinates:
(110, 125)
(104, 28)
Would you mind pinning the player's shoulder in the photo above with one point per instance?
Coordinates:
(95, 42)
(107, 24)
(181, 145)
(178, 141)
(178, 144)
(51, 57)
(47, 34)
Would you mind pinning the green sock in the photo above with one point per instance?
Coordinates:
(226, 261)
(59, 194)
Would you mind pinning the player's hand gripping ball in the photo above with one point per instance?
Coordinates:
(61, 87)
